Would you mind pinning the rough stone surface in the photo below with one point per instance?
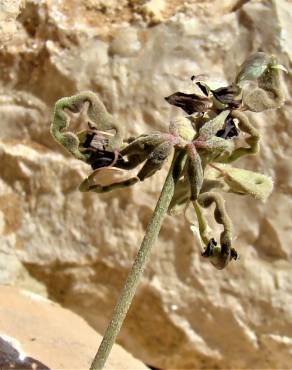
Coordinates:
(78, 248)
(42, 331)
(9, 10)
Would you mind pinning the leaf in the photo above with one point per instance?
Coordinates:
(212, 126)
(219, 145)
(254, 66)
(242, 181)
(182, 127)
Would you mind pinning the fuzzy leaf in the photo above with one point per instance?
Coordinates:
(217, 144)
(183, 128)
(243, 181)
(212, 126)
(253, 67)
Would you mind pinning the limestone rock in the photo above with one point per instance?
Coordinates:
(9, 10)
(152, 10)
(39, 334)
(78, 248)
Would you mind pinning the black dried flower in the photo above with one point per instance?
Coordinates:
(190, 103)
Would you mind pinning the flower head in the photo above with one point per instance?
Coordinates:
(206, 141)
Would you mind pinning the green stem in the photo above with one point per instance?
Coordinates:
(203, 226)
(136, 272)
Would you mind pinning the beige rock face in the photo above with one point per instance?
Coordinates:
(79, 247)
(9, 10)
(42, 331)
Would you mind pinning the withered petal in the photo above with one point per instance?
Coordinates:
(202, 88)
(209, 249)
(228, 95)
(229, 130)
(190, 103)
(103, 158)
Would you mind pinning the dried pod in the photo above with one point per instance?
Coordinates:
(219, 255)
(97, 113)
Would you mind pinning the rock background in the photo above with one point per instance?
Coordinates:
(78, 248)
(36, 333)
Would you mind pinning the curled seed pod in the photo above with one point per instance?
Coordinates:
(97, 113)
(155, 160)
(221, 255)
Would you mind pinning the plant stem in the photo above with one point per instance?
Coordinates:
(203, 226)
(128, 292)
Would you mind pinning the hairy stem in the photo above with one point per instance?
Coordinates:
(203, 226)
(136, 272)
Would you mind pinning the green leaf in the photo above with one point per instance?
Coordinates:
(212, 126)
(242, 181)
(254, 66)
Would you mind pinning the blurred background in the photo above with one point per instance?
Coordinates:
(77, 248)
